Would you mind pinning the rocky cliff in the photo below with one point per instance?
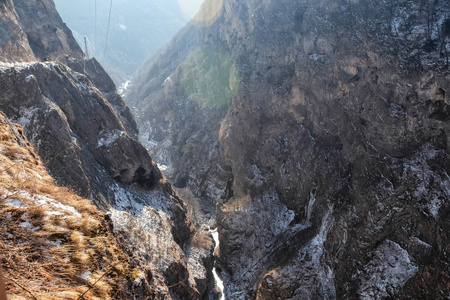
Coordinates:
(86, 137)
(136, 29)
(64, 240)
(324, 128)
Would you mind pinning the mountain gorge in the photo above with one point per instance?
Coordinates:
(318, 130)
(86, 138)
(322, 131)
(122, 35)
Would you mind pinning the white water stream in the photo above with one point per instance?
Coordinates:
(123, 87)
(219, 281)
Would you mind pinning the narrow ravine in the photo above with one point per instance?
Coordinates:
(202, 213)
(218, 280)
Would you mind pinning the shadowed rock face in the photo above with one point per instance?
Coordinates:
(33, 30)
(87, 138)
(75, 123)
(333, 157)
(69, 107)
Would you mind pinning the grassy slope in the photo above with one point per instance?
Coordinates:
(53, 243)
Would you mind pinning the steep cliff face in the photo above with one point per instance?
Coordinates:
(179, 126)
(87, 139)
(338, 132)
(32, 30)
(75, 124)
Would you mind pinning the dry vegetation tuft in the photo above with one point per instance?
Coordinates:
(53, 243)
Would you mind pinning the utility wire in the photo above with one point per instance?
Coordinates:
(107, 31)
(95, 29)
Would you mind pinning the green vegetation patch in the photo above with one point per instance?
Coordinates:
(210, 77)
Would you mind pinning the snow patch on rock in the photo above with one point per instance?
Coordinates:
(29, 78)
(388, 271)
(315, 263)
(27, 115)
(86, 276)
(110, 137)
(28, 226)
(430, 185)
(150, 233)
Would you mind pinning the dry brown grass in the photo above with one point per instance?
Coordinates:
(45, 248)
(202, 241)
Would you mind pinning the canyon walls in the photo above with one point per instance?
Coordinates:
(322, 130)
(87, 139)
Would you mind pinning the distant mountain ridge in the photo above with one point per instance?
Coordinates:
(137, 29)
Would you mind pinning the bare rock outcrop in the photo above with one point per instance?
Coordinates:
(87, 139)
(33, 30)
(79, 116)
(332, 155)
(53, 238)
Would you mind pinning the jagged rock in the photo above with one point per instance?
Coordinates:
(33, 30)
(58, 233)
(86, 137)
(201, 260)
(342, 112)
(84, 129)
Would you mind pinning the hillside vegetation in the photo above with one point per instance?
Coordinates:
(53, 243)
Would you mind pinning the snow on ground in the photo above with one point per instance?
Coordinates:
(82, 82)
(133, 200)
(86, 276)
(30, 77)
(315, 250)
(149, 232)
(40, 200)
(27, 115)
(110, 137)
(28, 226)
(125, 200)
(14, 203)
(388, 270)
(434, 186)
(45, 201)
(5, 65)
(25, 65)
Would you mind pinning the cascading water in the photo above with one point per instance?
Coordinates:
(219, 281)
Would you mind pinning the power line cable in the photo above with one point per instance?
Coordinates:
(107, 31)
(95, 30)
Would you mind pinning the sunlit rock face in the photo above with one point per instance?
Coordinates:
(32, 29)
(75, 128)
(331, 157)
(87, 139)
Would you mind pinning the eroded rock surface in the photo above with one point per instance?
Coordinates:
(33, 30)
(340, 119)
(87, 139)
(75, 122)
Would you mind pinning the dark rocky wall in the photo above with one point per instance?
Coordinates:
(87, 138)
(334, 150)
